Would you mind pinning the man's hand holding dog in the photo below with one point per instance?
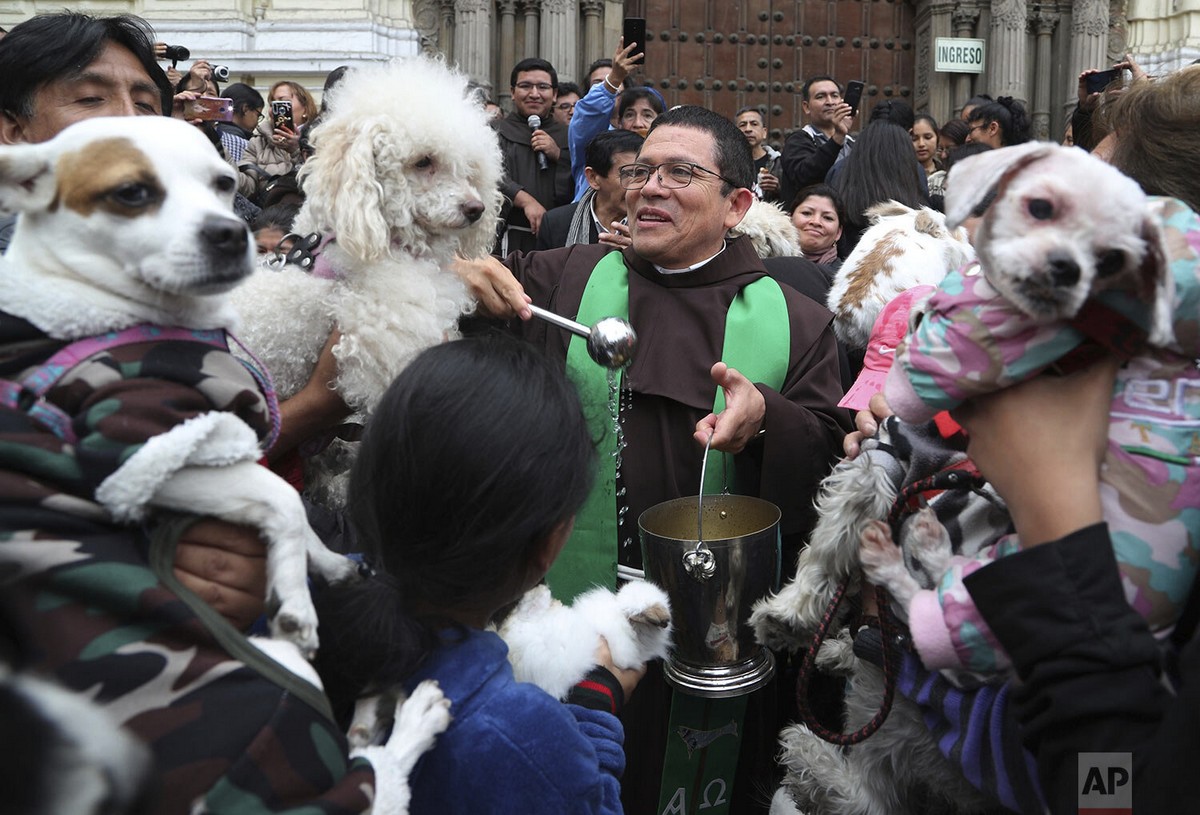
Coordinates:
(1047, 470)
(225, 566)
(866, 423)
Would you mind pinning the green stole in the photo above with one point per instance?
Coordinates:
(704, 735)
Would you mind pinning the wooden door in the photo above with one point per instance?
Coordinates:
(730, 54)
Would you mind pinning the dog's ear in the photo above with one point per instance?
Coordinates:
(1157, 280)
(342, 188)
(887, 209)
(655, 616)
(26, 178)
(974, 181)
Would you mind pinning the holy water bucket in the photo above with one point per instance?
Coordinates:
(713, 587)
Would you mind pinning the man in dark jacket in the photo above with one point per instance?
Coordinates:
(537, 162)
(810, 152)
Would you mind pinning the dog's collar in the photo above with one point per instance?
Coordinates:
(307, 252)
(962, 474)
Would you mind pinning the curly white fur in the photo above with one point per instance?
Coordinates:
(554, 646)
(770, 229)
(902, 248)
(405, 176)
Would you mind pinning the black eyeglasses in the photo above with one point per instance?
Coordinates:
(565, 106)
(674, 175)
(544, 87)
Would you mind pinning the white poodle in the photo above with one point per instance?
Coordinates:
(405, 176)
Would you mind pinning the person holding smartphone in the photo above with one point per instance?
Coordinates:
(1091, 92)
(274, 149)
(810, 153)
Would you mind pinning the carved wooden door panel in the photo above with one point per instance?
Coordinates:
(730, 54)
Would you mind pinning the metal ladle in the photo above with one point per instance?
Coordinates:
(610, 342)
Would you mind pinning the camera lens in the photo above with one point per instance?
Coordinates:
(175, 52)
(220, 73)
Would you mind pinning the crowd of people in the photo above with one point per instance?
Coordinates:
(481, 474)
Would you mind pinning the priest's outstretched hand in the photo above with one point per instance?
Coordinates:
(743, 417)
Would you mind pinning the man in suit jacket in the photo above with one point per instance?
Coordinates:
(602, 208)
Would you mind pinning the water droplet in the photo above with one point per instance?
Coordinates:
(724, 514)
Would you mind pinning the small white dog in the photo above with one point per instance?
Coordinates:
(901, 249)
(127, 222)
(1049, 240)
(554, 645)
(405, 176)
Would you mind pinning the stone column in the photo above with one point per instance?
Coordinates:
(1045, 18)
(508, 49)
(965, 16)
(560, 37)
(932, 90)
(593, 41)
(532, 10)
(1089, 42)
(446, 28)
(473, 39)
(1006, 46)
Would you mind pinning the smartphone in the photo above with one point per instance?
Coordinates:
(1099, 81)
(281, 115)
(634, 30)
(854, 90)
(209, 108)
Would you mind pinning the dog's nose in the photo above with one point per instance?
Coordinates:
(1064, 271)
(225, 235)
(473, 210)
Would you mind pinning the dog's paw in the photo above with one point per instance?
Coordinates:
(419, 720)
(296, 622)
(877, 552)
(883, 562)
(928, 544)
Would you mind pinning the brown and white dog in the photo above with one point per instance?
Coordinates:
(128, 221)
(125, 222)
(902, 248)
